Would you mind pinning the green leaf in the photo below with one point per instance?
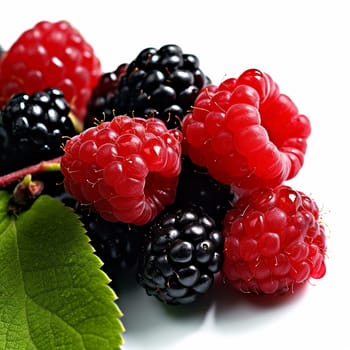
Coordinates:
(53, 294)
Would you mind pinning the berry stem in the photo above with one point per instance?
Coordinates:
(46, 165)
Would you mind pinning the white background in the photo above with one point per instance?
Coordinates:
(304, 46)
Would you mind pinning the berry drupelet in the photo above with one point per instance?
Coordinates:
(179, 255)
(159, 83)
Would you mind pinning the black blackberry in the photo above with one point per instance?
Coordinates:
(115, 243)
(102, 102)
(197, 187)
(33, 128)
(180, 255)
(157, 83)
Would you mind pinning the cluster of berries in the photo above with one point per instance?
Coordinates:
(170, 173)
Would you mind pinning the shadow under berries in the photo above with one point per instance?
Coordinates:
(227, 299)
(234, 311)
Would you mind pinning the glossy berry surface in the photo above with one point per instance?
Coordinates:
(103, 103)
(115, 243)
(126, 169)
(274, 241)
(33, 128)
(179, 256)
(246, 133)
(160, 83)
(51, 55)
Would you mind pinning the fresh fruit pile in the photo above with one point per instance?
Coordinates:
(168, 172)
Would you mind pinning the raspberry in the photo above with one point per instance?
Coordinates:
(246, 133)
(159, 83)
(51, 55)
(274, 241)
(33, 128)
(197, 187)
(127, 169)
(179, 256)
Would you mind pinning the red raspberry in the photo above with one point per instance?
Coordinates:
(273, 241)
(246, 133)
(51, 55)
(126, 169)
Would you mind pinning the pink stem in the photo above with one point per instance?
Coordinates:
(46, 165)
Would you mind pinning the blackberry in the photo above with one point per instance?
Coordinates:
(159, 83)
(179, 255)
(102, 103)
(115, 243)
(197, 187)
(33, 128)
